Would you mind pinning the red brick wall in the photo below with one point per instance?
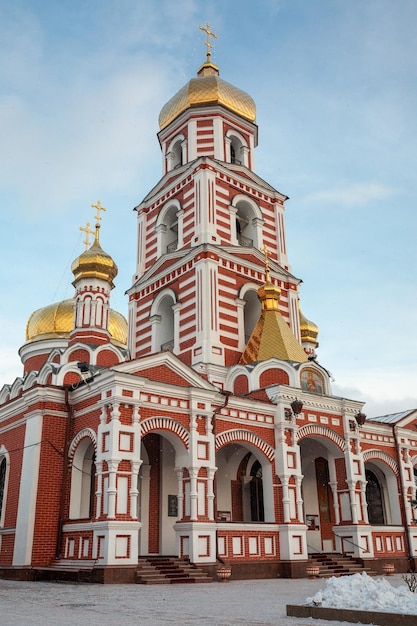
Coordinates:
(241, 384)
(274, 376)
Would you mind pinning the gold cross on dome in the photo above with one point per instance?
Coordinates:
(87, 232)
(266, 252)
(207, 42)
(99, 208)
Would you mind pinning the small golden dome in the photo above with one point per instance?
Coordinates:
(208, 89)
(308, 330)
(56, 321)
(271, 337)
(95, 263)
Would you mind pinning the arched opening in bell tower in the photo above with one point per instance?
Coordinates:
(163, 323)
(251, 311)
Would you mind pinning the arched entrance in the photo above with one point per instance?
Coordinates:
(382, 494)
(158, 493)
(320, 459)
(243, 485)
(374, 499)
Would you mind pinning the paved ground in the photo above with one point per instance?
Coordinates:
(243, 603)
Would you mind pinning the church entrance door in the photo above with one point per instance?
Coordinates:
(158, 490)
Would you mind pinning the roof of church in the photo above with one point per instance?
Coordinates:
(392, 418)
(272, 337)
(308, 329)
(57, 321)
(208, 89)
(95, 263)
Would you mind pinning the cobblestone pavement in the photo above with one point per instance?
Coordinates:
(243, 603)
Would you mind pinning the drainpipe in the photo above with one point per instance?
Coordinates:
(403, 510)
(227, 395)
(70, 415)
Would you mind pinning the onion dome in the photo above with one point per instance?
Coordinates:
(95, 263)
(56, 321)
(272, 337)
(308, 330)
(205, 90)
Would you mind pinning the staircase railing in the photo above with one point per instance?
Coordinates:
(355, 544)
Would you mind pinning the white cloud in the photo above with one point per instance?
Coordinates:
(385, 390)
(353, 195)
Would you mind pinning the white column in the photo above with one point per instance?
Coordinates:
(193, 471)
(169, 161)
(333, 487)
(233, 232)
(184, 144)
(180, 232)
(99, 492)
(161, 230)
(180, 496)
(111, 491)
(155, 323)
(227, 143)
(364, 504)
(285, 499)
(353, 503)
(176, 309)
(210, 493)
(245, 155)
(134, 491)
(299, 498)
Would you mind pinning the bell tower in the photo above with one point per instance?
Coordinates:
(201, 230)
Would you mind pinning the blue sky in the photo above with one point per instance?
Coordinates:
(335, 84)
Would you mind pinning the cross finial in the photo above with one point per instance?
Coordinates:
(207, 42)
(99, 208)
(87, 232)
(266, 252)
(98, 217)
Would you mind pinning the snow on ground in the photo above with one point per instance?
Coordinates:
(361, 592)
(236, 603)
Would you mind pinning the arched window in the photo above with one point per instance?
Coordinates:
(3, 467)
(177, 154)
(256, 493)
(168, 228)
(83, 481)
(252, 489)
(374, 498)
(238, 148)
(251, 312)
(163, 323)
(248, 223)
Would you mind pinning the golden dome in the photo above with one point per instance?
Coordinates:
(95, 263)
(271, 337)
(208, 89)
(56, 321)
(308, 330)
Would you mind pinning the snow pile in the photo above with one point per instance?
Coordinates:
(360, 592)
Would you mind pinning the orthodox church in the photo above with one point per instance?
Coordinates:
(203, 428)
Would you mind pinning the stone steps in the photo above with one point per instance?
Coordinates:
(169, 571)
(334, 564)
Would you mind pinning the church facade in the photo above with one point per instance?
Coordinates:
(204, 426)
